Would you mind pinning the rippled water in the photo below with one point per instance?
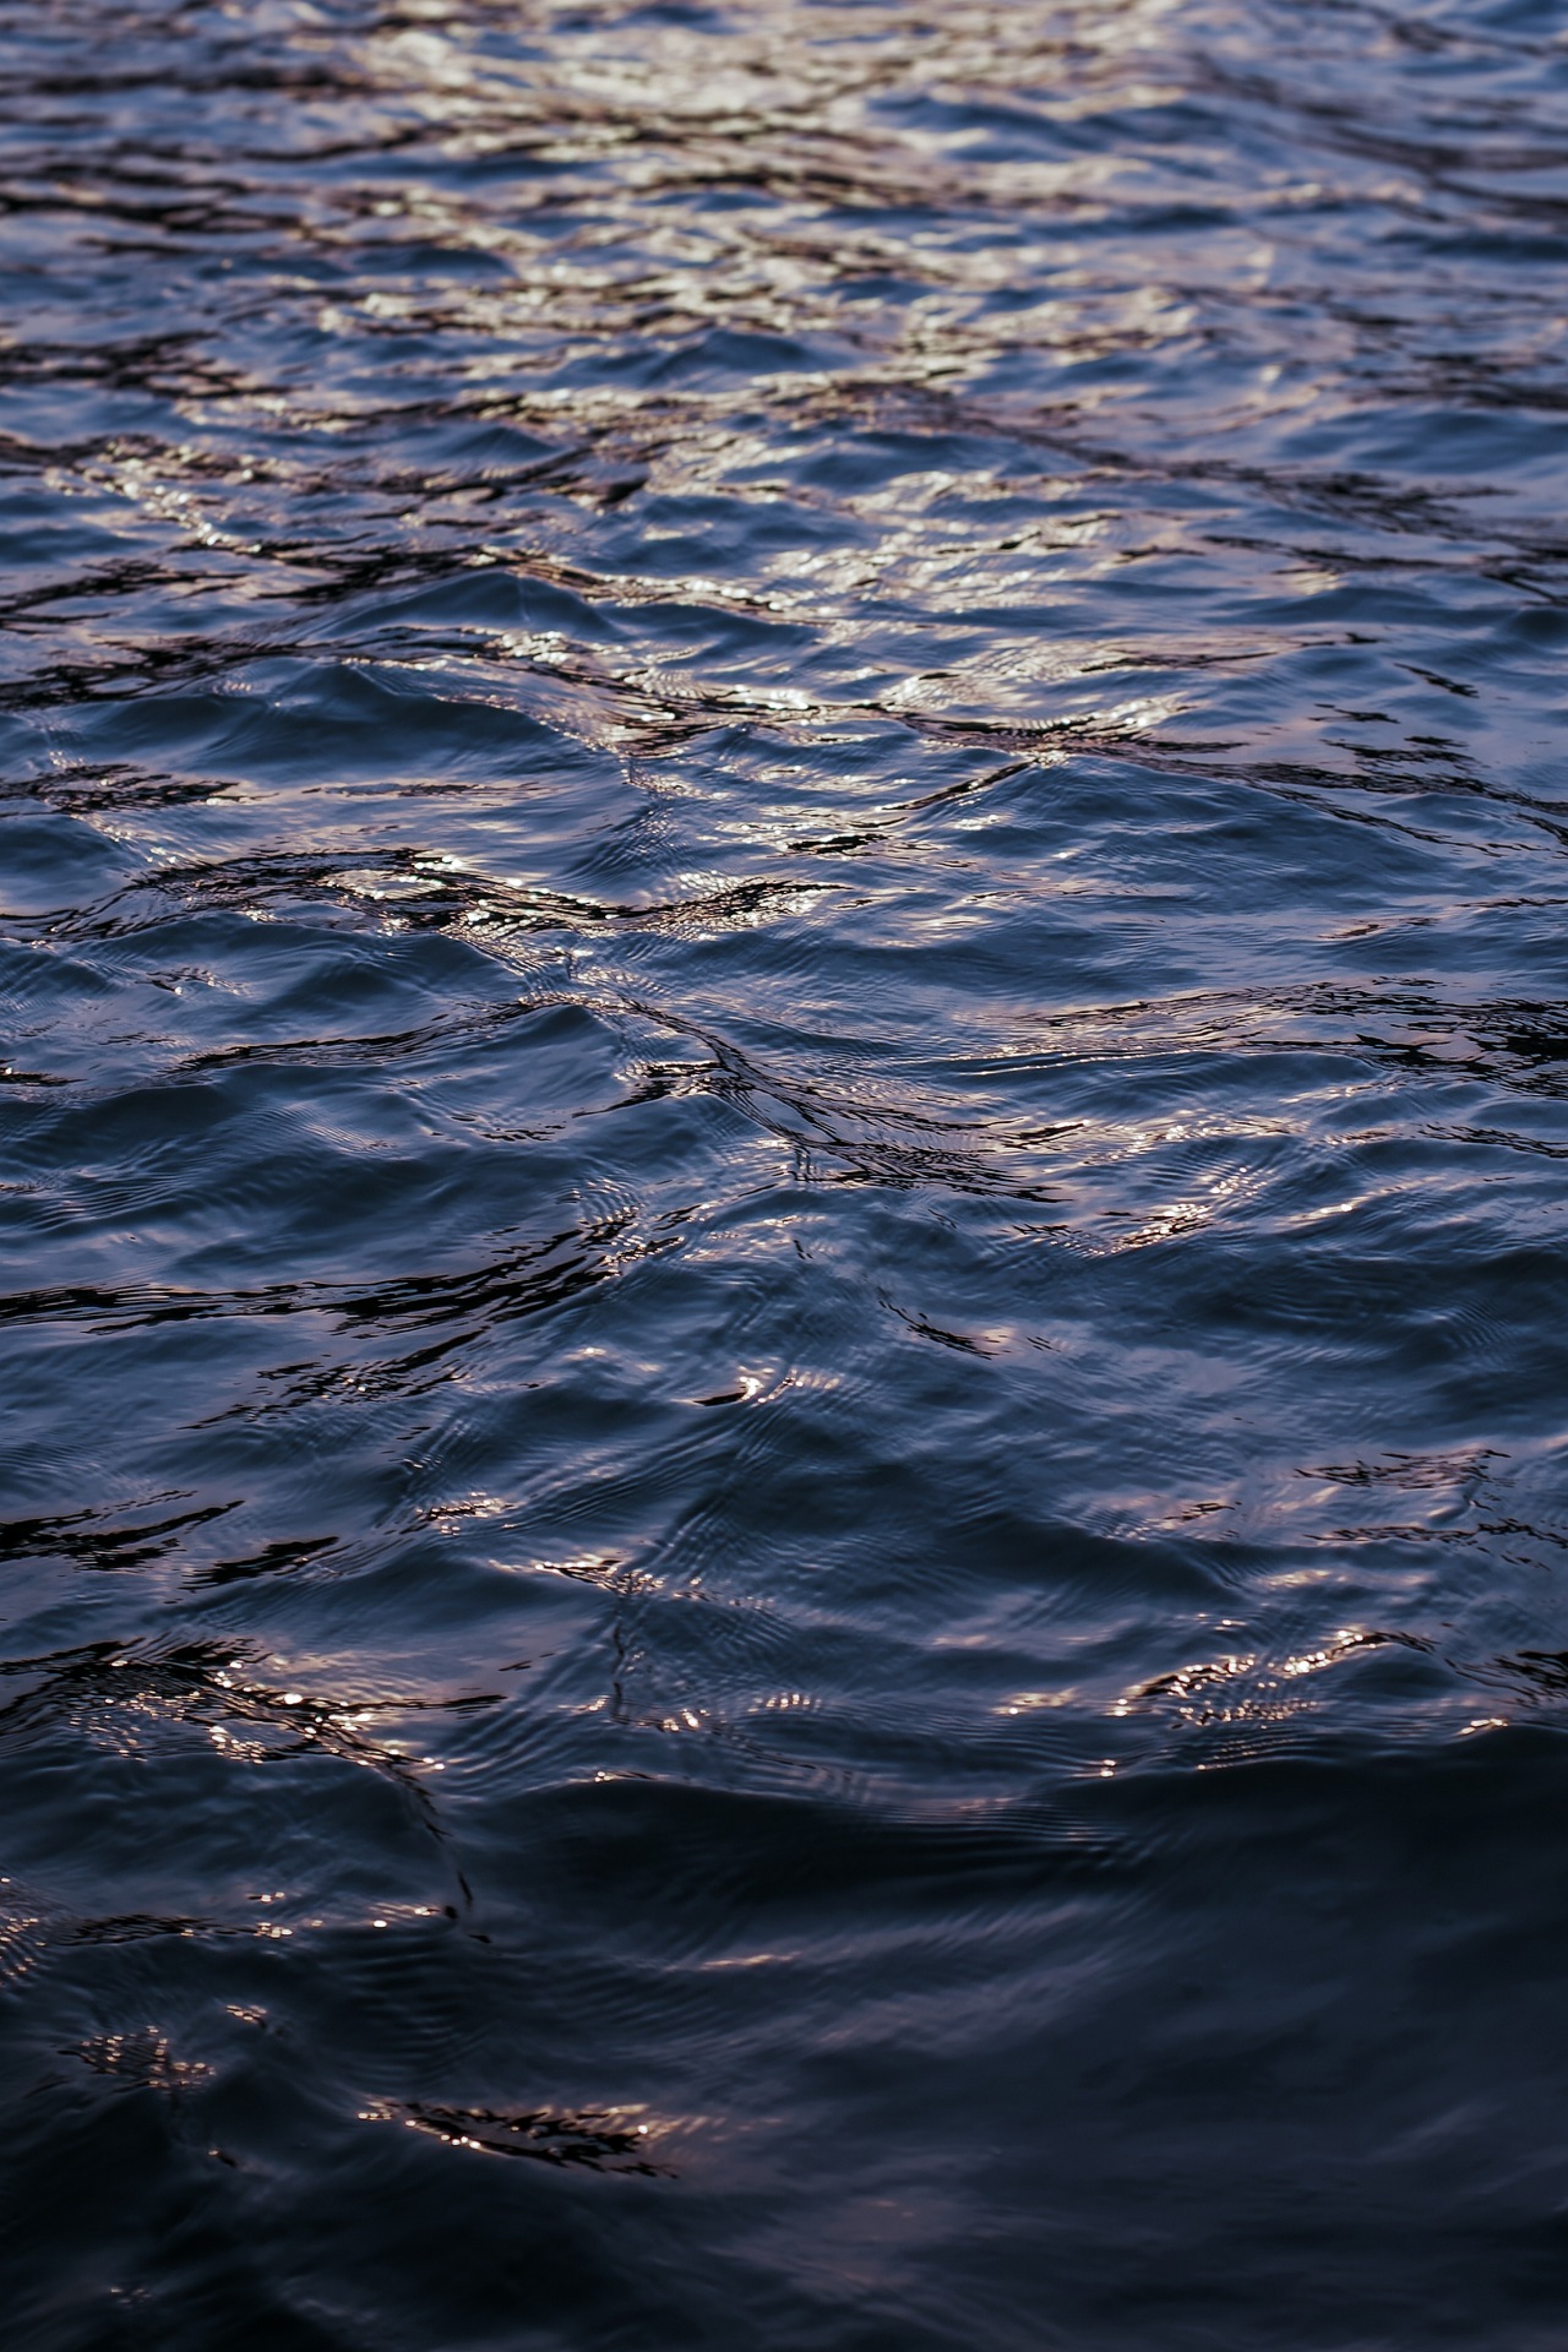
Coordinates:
(786, 1334)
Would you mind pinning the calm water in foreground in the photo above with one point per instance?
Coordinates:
(785, 877)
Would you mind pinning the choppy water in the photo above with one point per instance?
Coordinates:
(786, 1334)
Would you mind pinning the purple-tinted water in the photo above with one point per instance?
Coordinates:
(785, 1322)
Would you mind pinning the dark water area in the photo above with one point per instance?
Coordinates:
(783, 917)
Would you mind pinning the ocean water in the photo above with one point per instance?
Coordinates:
(785, 935)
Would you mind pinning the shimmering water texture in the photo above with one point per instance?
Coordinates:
(785, 1330)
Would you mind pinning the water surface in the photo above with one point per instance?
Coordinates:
(786, 1329)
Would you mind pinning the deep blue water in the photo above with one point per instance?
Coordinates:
(783, 850)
